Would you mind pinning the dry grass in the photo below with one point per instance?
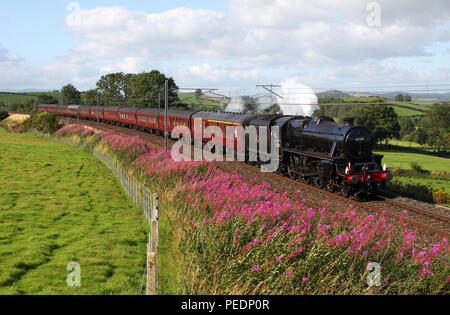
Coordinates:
(16, 118)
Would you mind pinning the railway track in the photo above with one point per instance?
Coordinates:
(423, 219)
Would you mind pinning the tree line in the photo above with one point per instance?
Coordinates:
(125, 89)
(432, 130)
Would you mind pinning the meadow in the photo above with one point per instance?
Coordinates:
(59, 204)
(202, 103)
(403, 160)
(12, 98)
(435, 173)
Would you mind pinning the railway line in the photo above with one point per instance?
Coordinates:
(432, 226)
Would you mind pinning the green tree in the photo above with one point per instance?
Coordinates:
(381, 120)
(71, 95)
(399, 98)
(407, 126)
(89, 98)
(407, 98)
(145, 86)
(434, 129)
(47, 99)
(114, 87)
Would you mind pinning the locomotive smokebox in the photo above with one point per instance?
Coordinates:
(358, 143)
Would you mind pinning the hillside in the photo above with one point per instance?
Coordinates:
(332, 93)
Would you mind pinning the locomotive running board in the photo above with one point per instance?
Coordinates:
(323, 157)
(307, 174)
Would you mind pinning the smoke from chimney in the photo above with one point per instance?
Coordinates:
(298, 99)
(236, 105)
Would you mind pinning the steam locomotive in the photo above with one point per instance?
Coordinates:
(314, 150)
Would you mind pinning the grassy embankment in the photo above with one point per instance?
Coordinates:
(59, 204)
(223, 234)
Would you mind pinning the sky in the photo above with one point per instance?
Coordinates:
(229, 45)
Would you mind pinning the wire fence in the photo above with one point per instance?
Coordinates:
(141, 196)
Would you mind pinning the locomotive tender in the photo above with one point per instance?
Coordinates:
(317, 151)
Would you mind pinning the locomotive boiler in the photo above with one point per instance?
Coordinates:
(338, 157)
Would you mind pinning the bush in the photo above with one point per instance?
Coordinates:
(42, 122)
(416, 167)
(419, 192)
(3, 115)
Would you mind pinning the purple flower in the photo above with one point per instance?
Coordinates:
(305, 279)
(256, 268)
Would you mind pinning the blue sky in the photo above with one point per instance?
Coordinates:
(232, 44)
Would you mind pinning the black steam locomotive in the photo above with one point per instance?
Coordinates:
(328, 155)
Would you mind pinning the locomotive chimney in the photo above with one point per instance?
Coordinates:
(349, 121)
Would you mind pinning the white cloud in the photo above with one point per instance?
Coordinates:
(265, 32)
(7, 56)
(113, 32)
(205, 74)
(254, 41)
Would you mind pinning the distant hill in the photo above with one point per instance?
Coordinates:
(332, 93)
(391, 95)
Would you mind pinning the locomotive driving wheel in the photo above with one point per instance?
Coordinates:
(320, 182)
(291, 168)
(345, 190)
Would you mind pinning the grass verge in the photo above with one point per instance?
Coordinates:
(59, 204)
(228, 235)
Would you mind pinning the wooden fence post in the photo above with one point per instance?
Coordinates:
(152, 274)
(155, 236)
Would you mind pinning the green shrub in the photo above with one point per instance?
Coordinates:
(416, 167)
(42, 122)
(415, 191)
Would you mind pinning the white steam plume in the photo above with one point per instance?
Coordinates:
(298, 99)
(236, 105)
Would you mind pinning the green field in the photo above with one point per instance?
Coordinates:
(406, 144)
(59, 204)
(402, 160)
(403, 112)
(402, 109)
(199, 103)
(13, 98)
